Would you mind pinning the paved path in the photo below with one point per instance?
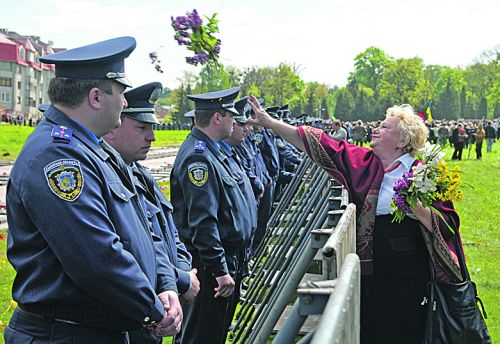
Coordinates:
(159, 161)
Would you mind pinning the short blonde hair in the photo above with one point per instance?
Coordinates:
(411, 128)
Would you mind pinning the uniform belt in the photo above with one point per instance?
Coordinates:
(65, 315)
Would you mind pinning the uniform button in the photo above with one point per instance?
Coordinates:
(146, 319)
(123, 195)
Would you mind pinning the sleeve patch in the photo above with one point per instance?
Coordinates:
(258, 138)
(65, 178)
(198, 173)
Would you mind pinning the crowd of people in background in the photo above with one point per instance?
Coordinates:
(459, 134)
(463, 134)
(20, 119)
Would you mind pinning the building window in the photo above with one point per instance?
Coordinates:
(5, 97)
(22, 55)
(19, 85)
(5, 82)
(27, 86)
(5, 66)
(18, 100)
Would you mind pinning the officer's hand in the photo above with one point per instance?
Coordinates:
(194, 288)
(260, 117)
(226, 286)
(171, 323)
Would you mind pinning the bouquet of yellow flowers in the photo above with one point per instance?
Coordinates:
(429, 180)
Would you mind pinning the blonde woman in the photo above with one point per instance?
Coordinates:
(394, 256)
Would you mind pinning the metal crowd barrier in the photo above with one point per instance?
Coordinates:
(312, 215)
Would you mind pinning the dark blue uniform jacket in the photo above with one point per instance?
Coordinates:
(210, 211)
(76, 239)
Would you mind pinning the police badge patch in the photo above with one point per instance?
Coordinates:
(198, 173)
(280, 143)
(258, 138)
(65, 178)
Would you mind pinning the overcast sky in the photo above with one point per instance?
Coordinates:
(321, 36)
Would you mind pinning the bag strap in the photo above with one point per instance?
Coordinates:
(461, 258)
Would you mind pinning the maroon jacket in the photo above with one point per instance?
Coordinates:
(361, 172)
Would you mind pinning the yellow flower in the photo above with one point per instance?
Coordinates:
(13, 304)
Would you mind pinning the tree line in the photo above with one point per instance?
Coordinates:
(377, 82)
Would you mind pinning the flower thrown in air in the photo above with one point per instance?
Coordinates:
(197, 37)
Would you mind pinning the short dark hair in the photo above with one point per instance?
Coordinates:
(202, 117)
(71, 92)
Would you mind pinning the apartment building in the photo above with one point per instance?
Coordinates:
(24, 80)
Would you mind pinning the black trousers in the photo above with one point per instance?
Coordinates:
(263, 215)
(479, 150)
(392, 309)
(207, 319)
(27, 327)
(457, 153)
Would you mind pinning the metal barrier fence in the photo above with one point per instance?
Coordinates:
(313, 214)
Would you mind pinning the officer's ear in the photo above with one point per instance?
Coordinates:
(94, 98)
(217, 118)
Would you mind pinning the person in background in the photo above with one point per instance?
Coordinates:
(133, 140)
(490, 136)
(212, 216)
(338, 133)
(458, 139)
(359, 133)
(394, 257)
(85, 261)
(479, 138)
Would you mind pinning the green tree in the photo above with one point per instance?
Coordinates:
(345, 105)
(496, 112)
(284, 84)
(482, 109)
(311, 101)
(181, 103)
(213, 78)
(401, 78)
(448, 103)
(463, 103)
(253, 81)
(369, 67)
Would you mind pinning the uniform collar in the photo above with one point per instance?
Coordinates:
(212, 145)
(57, 117)
(226, 147)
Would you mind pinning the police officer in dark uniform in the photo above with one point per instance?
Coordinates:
(212, 216)
(133, 140)
(235, 161)
(253, 160)
(85, 261)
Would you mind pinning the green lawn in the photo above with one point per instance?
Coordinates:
(12, 138)
(479, 212)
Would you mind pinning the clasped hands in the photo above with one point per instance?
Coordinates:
(171, 323)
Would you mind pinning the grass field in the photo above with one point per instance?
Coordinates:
(479, 213)
(13, 137)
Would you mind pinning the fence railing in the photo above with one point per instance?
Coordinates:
(312, 219)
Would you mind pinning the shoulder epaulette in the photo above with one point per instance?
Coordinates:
(200, 146)
(61, 132)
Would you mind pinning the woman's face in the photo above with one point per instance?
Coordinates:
(385, 137)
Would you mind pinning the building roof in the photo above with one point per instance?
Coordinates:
(5, 40)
